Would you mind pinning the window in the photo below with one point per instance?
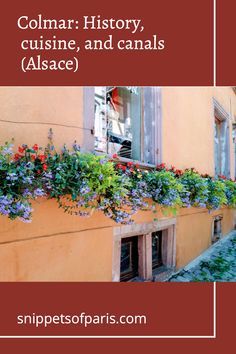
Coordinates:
(129, 258)
(127, 122)
(156, 249)
(234, 147)
(221, 141)
(144, 251)
(217, 228)
(118, 121)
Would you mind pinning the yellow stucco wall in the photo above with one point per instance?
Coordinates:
(27, 114)
(188, 125)
(56, 246)
(193, 232)
(60, 247)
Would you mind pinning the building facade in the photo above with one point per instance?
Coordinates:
(181, 126)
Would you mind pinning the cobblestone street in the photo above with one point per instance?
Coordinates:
(216, 264)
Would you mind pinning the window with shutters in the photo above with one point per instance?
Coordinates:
(127, 122)
(221, 141)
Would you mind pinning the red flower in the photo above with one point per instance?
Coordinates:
(129, 164)
(17, 156)
(131, 170)
(35, 147)
(45, 167)
(161, 166)
(32, 157)
(115, 156)
(21, 149)
(178, 172)
(222, 177)
(42, 158)
(121, 167)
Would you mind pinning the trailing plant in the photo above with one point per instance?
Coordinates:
(195, 191)
(230, 192)
(217, 194)
(84, 182)
(20, 180)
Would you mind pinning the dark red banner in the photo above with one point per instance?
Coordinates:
(168, 309)
(225, 43)
(172, 309)
(153, 43)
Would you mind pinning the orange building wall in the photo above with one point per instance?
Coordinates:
(188, 125)
(27, 114)
(60, 247)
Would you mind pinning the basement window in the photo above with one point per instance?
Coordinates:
(129, 258)
(157, 249)
(142, 252)
(217, 228)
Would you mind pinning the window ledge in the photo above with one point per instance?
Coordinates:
(123, 160)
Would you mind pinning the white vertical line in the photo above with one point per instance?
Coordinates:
(214, 309)
(214, 42)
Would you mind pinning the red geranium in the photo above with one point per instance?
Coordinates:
(35, 147)
(17, 156)
(21, 149)
(222, 177)
(178, 172)
(129, 164)
(115, 156)
(42, 158)
(161, 166)
(45, 167)
(121, 167)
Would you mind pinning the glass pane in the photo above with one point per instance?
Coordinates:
(126, 254)
(117, 127)
(100, 122)
(156, 249)
(129, 258)
(124, 121)
(224, 149)
(217, 148)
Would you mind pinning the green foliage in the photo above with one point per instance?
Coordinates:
(164, 188)
(230, 192)
(217, 194)
(195, 191)
(84, 182)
